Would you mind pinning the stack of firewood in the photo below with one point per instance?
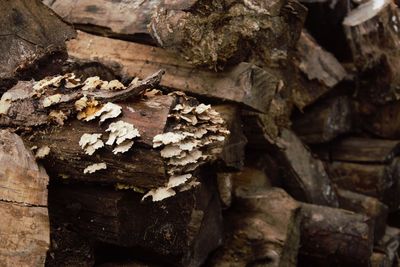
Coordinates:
(200, 133)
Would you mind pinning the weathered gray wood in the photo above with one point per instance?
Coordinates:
(31, 36)
(24, 222)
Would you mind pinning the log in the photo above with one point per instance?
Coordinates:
(374, 49)
(142, 166)
(375, 180)
(364, 150)
(304, 176)
(69, 248)
(233, 154)
(24, 222)
(181, 230)
(245, 84)
(318, 72)
(379, 120)
(215, 34)
(115, 19)
(32, 39)
(388, 248)
(369, 206)
(334, 237)
(263, 230)
(324, 121)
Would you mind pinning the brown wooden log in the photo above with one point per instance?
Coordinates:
(324, 121)
(318, 72)
(304, 176)
(32, 38)
(369, 206)
(245, 84)
(375, 180)
(364, 150)
(375, 49)
(181, 230)
(142, 166)
(263, 230)
(24, 222)
(334, 237)
(379, 120)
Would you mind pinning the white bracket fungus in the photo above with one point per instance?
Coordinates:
(108, 111)
(122, 134)
(95, 167)
(161, 193)
(91, 142)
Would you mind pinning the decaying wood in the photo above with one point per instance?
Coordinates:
(263, 230)
(319, 72)
(181, 230)
(304, 176)
(324, 121)
(68, 248)
(24, 222)
(141, 167)
(233, 155)
(21, 108)
(214, 33)
(387, 250)
(375, 180)
(120, 19)
(380, 120)
(372, 30)
(369, 206)
(245, 84)
(32, 38)
(334, 237)
(364, 150)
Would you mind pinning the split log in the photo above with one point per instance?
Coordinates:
(303, 175)
(375, 180)
(233, 154)
(245, 84)
(32, 41)
(372, 30)
(24, 223)
(380, 120)
(369, 206)
(181, 230)
(263, 231)
(364, 150)
(318, 72)
(324, 121)
(334, 237)
(142, 166)
(117, 19)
